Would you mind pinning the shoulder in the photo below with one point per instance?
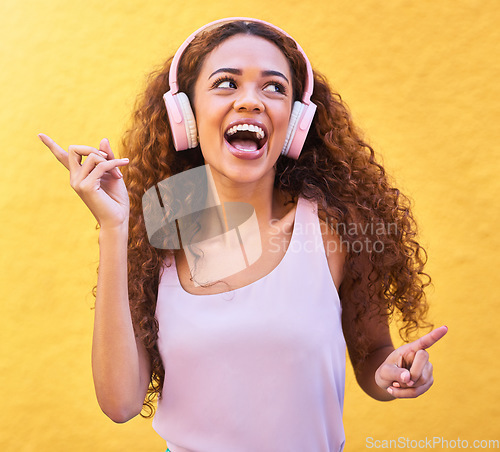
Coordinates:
(335, 249)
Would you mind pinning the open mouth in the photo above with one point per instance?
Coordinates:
(246, 137)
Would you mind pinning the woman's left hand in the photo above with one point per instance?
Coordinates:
(407, 372)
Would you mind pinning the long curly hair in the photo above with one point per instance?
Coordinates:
(383, 271)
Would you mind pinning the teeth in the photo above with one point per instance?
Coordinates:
(246, 127)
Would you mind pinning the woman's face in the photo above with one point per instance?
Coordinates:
(242, 102)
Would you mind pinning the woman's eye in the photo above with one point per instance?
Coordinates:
(225, 84)
(275, 88)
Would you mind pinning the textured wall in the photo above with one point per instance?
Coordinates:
(421, 78)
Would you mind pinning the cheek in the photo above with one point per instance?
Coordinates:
(282, 119)
(209, 135)
(209, 117)
(208, 128)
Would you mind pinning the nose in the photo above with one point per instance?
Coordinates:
(248, 100)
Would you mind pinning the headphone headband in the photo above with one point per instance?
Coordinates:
(172, 77)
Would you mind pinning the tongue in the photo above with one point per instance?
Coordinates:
(244, 145)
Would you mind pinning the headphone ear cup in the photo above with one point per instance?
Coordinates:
(292, 126)
(298, 128)
(189, 120)
(181, 119)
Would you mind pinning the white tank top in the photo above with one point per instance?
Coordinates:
(260, 368)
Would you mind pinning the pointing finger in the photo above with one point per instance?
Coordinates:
(57, 150)
(429, 339)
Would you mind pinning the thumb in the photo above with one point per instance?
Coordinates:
(105, 147)
(394, 373)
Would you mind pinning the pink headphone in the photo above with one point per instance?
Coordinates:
(182, 120)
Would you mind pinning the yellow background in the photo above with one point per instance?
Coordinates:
(421, 78)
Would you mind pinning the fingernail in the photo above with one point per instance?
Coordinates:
(410, 383)
(103, 154)
(389, 390)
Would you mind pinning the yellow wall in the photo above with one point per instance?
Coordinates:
(421, 78)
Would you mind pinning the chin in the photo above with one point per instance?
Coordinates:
(243, 172)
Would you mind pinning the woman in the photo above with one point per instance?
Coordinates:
(252, 357)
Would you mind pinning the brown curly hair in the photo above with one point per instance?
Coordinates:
(336, 168)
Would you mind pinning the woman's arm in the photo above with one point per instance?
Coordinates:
(120, 362)
(384, 373)
(380, 347)
(378, 335)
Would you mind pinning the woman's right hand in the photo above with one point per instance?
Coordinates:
(97, 180)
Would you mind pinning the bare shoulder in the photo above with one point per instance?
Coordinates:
(336, 253)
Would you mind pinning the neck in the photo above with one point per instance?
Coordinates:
(259, 194)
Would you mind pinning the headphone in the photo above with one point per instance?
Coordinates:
(182, 120)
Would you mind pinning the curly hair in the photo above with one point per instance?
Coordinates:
(336, 168)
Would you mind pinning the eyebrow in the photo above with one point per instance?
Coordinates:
(235, 71)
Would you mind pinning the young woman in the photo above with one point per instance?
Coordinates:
(300, 247)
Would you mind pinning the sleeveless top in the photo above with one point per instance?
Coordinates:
(260, 368)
